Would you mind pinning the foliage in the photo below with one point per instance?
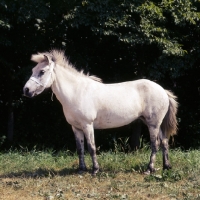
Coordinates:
(122, 146)
(153, 26)
(2, 139)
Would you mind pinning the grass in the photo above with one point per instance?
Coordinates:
(48, 175)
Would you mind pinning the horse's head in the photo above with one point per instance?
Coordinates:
(41, 77)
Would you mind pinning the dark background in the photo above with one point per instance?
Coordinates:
(113, 39)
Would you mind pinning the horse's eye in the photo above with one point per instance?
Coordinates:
(42, 72)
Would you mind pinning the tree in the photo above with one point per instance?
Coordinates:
(116, 40)
(154, 39)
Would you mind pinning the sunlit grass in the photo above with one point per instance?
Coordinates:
(53, 175)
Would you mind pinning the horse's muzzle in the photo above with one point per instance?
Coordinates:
(27, 92)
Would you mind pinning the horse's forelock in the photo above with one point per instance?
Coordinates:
(37, 58)
(56, 56)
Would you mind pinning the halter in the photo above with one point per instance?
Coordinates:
(48, 78)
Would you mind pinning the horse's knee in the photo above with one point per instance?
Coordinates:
(155, 145)
(165, 142)
(92, 149)
(164, 145)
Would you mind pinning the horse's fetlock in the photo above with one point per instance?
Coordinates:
(152, 170)
(167, 167)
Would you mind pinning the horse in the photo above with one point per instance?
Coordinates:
(90, 104)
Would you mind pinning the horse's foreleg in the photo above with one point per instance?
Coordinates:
(165, 148)
(89, 134)
(79, 137)
(154, 148)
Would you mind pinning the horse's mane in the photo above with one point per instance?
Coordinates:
(58, 56)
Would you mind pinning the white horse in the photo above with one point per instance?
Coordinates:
(89, 104)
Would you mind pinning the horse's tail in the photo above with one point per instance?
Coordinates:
(170, 125)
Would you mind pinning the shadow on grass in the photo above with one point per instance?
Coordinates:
(43, 172)
(137, 169)
(40, 173)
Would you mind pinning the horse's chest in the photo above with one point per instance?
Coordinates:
(69, 115)
(77, 117)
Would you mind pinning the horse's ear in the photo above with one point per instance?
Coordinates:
(47, 59)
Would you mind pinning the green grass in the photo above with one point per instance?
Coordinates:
(49, 175)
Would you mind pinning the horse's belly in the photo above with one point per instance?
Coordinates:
(110, 121)
(118, 111)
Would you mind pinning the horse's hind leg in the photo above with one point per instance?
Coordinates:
(79, 136)
(89, 134)
(154, 137)
(165, 148)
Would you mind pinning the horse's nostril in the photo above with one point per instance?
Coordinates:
(26, 90)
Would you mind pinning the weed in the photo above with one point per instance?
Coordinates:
(122, 145)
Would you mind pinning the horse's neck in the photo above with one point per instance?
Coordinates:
(65, 83)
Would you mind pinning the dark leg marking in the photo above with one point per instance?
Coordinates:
(79, 136)
(154, 148)
(165, 149)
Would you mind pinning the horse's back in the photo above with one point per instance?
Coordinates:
(141, 91)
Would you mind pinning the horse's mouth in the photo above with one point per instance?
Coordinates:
(29, 94)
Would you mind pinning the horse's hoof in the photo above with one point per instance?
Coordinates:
(151, 171)
(147, 172)
(167, 167)
(95, 171)
(82, 170)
